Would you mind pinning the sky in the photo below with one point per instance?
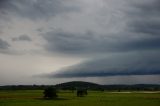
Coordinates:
(100, 41)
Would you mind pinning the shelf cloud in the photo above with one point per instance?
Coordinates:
(117, 65)
(79, 39)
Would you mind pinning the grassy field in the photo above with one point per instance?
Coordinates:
(34, 98)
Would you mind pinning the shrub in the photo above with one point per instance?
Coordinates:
(50, 93)
(81, 92)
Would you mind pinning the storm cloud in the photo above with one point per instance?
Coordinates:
(141, 34)
(80, 39)
(4, 44)
(116, 65)
(144, 17)
(89, 43)
(22, 38)
(33, 9)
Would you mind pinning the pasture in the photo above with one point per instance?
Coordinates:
(94, 98)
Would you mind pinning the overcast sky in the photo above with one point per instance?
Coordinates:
(101, 41)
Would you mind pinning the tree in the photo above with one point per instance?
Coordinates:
(50, 93)
(81, 92)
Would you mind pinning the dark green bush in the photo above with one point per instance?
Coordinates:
(50, 93)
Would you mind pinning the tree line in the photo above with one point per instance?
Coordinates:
(90, 86)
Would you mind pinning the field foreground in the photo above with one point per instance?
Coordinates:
(35, 98)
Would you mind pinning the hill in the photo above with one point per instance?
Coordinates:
(93, 86)
(89, 85)
(78, 84)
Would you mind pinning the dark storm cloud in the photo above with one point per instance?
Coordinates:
(4, 44)
(137, 64)
(151, 28)
(33, 9)
(22, 38)
(145, 17)
(89, 43)
(68, 42)
(141, 35)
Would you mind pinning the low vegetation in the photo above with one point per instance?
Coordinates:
(68, 98)
(50, 93)
(80, 94)
(90, 86)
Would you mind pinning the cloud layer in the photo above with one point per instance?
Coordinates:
(3, 44)
(117, 65)
(139, 35)
(35, 9)
(22, 38)
(89, 43)
(94, 38)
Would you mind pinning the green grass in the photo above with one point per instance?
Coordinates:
(34, 98)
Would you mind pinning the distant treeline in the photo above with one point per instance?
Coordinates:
(93, 86)
(23, 87)
(137, 87)
(90, 86)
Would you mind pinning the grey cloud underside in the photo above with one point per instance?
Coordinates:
(34, 9)
(22, 38)
(4, 47)
(141, 33)
(4, 44)
(146, 18)
(137, 64)
(80, 44)
(140, 36)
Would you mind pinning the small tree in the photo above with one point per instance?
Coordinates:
(50, 93)
(81, 92)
